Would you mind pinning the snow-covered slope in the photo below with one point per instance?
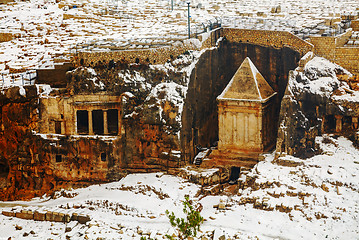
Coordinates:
(287, 198)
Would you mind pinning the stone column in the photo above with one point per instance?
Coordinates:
(339, 124)
(105, 126)
(90, 123)
(63, 127)
(121, 129)
(355, 122)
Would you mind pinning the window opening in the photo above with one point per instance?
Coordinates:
(97, 122)
(103, 157)
(82, 122)
(112, 121)
(57, 127)
(58, 158)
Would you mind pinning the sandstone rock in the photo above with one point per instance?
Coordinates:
(25, 214)
(8, 213)
(39, 216)
(17, 227)
(83, 219)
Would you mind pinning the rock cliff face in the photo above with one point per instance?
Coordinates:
(34, 161)
(320, 98)
(212, 73)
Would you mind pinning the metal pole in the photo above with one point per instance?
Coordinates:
(171, 5)
(189, 24)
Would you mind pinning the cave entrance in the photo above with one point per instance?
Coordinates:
(329, 124)
(82, 122)
(112, 121)
(4, 172)
(235, 171)
(97, 122)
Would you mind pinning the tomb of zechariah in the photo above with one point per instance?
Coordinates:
(245, 112)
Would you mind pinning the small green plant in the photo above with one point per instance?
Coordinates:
(186, 227)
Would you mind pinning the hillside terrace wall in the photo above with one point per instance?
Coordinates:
(4, 37)
(342, 39)
(332, 48)
(348, 57)
(158, 55)
(276, 39)
(210, 39)
(324, 46)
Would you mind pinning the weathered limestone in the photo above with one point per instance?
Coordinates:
(244, 110)
(66, 111)
(47, 216)
(334, 49)
(339, 123)
(306, 114)
(355, 122)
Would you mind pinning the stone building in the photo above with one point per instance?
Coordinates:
(96, 114)
(246, 112)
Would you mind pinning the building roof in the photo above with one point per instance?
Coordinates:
(247, 84)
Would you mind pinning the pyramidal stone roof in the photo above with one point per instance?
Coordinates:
(247, 84)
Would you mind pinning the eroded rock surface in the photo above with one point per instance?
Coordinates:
(320, 98)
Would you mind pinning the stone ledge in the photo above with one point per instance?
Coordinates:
(47, 216)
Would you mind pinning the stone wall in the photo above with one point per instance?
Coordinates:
(324, 46)
(276, 39)
(348, 57)
(4, 37)
(55, 77)
(210, 39)
(332, 48)
(343, 38)
(40, 215)
(355, 25)
(158, 55)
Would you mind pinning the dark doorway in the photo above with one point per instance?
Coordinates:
(58, 158)
(112, 121)
(4, 172)
(234, 175)
(4, 169)
(82, 122)
(103, 157)
(329, 124)
(347, 123)
(57, 127)
(97, 122)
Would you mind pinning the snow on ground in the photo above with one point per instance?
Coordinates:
(287, 198)
(48, 31)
